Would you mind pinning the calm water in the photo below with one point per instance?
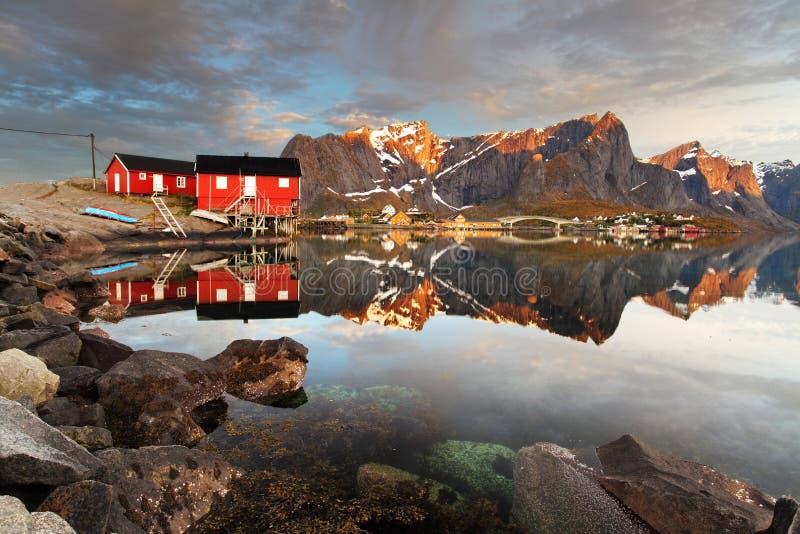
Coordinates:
(414, 340)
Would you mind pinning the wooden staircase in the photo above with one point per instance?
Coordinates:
(166, 214)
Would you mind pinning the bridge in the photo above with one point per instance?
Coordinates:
(510, 220)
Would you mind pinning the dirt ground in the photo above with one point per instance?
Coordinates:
(60, 205)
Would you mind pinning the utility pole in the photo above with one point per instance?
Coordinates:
(94, 176)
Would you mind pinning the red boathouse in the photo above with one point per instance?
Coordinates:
(144, 175)
(248, 185)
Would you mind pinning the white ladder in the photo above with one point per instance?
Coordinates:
(172, 222)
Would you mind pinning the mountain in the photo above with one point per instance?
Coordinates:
(586, 159)
(718, 182)
(780, 185)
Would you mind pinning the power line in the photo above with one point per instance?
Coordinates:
(44, 133)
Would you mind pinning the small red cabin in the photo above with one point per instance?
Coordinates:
(144, 175)
(268, 186)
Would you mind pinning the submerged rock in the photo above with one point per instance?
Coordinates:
(554, 492)
(147, 375)
(167, 489)
(480, 468)
(32, 452)
(22, 374)
(164, 421)
(675, 495)
(100, 352)
(330, 392)
(263, 371)
(379, 480)
(91, 507)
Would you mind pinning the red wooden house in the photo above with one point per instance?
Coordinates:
(258, 185)
(144, 297)
(144, 175)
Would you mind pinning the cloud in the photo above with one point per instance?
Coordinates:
(289, 116)
(356, 119)
(492, 102)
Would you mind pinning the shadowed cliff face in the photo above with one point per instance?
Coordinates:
(780, 185)
(578, 290)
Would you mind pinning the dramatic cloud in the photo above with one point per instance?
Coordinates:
(174, 77)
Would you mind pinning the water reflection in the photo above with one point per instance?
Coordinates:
(575, 287)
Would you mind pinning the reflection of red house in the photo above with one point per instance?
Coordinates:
(142, 292)
(268, 186)
(144, 175)
(259, 291)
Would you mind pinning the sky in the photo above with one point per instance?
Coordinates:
(173, 78)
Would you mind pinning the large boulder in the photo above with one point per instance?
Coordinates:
(263, 371)
(33, 452)
(675, 495)
(786, 519)
(91, 507)
(66, 411)
(555, 492)
(50, 523)
(148, 375)
(77, 380)
(57, 346)
(101, 352)
(14, 517)
(40, 315)
(167, 489)
(80, 243)
(22, 374)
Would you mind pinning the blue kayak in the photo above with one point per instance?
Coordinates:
(109, 214)
(97, 271)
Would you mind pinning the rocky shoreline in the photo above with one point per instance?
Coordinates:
(98, 437)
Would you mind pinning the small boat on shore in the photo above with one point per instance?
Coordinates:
(105, 213)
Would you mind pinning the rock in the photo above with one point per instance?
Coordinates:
(45, 316)
(100, 352)
(65, 411)
(41, 284)
(26, 401)
(14, 517)
(554, 492)
(32, 452)
(81, 243)
(113, 313)
(4, 255)
(77, 380)
(786, 519)
(148, 375)
(16, 249)
(164, 421)
(21, 295)
(263, 371)
(485, 469)
(13, 266)
(92, 438)
(7, 279)
(676, 495)
(96, 331)
(91, 507)
(60, 351)
(60, 300)
(167, 489)
(22, 374)
(57, 346)
(50, 523)
(375, 480)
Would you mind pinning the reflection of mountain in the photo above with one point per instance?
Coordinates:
(572, 290)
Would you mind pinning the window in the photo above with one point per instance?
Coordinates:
(181, 181)
(283, 182)
(143, 298)
(181, 291)
(222, 182)
(222, 295)
(143, 176)
(283, 295)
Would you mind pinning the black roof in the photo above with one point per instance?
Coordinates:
(248, 165)
(146, 163)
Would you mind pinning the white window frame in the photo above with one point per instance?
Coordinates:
(221, 182)
(181, 291)
(143, 297)
(180, 182)
(283, 182)
(143, 176)
(222, 295)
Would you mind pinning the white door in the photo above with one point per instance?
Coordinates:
(249, 186)
(116, 182)
(158, 183)
(158, 291)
